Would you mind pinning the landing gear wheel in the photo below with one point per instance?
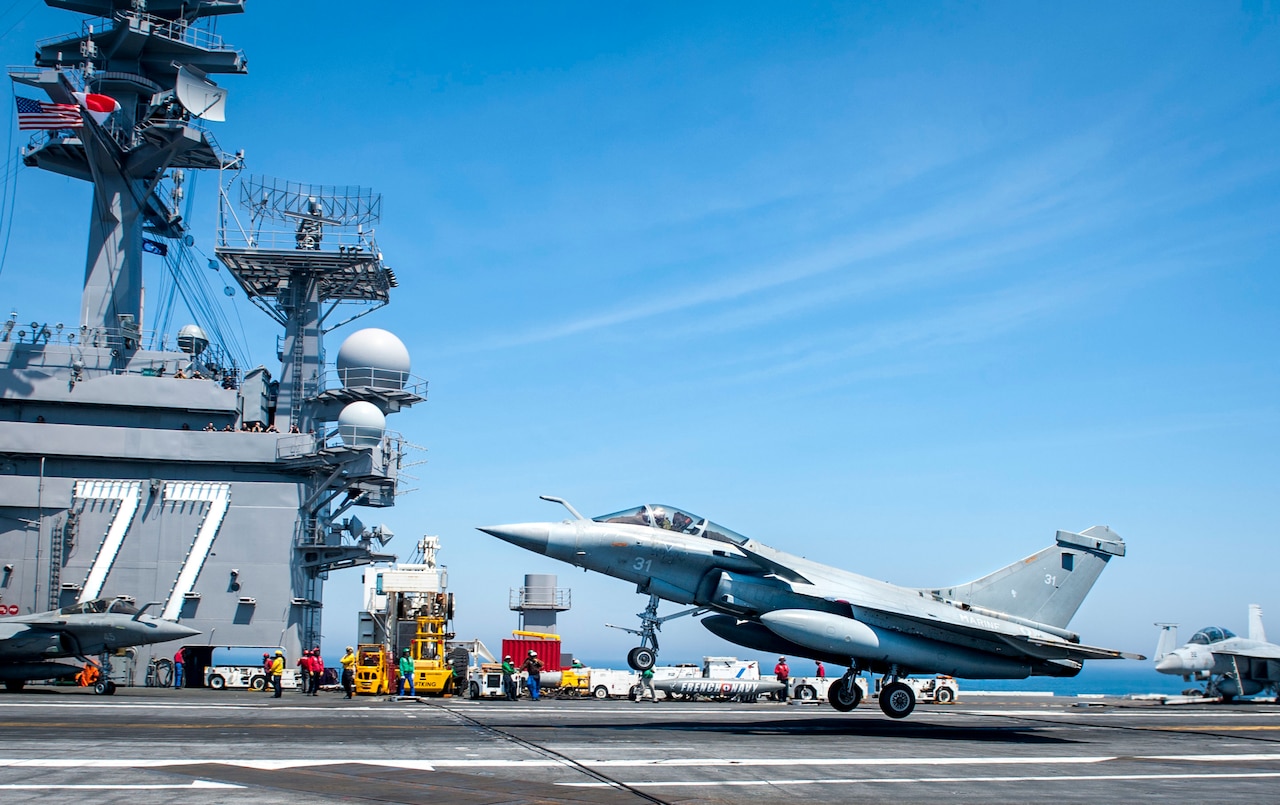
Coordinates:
(641, 658)
(844, 697)
(944, 695)
(897, 700)
(14, 685)
(104, 687)
(601, 692)
(806, 693)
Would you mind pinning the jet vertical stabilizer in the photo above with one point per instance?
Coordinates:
(1256, 632)
(1168, 640)
(1046, 587)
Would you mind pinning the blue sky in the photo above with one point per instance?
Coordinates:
(905, 287)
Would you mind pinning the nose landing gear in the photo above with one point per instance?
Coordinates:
(645, 656)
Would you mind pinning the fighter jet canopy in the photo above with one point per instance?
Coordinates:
(98, 606)
(658, 515)
(1213, 634)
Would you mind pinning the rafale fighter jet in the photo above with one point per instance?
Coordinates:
(1008, 625)
(28, 643)
(1230, 666)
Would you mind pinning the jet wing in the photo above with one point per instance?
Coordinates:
(1062, 650)
(991, 631)
(768, 560)
(1269, 652)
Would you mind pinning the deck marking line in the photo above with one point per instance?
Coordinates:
(202, 784)
(277, 764)
(1074, 778)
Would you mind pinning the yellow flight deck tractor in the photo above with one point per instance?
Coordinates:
(432, 674)
(375, 672)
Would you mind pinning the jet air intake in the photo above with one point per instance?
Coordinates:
(835, 634)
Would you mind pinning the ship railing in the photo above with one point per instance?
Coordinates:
(328, 239)
(27, 74)
(387, 449)
(177, 30)
(558, 598)
(354, 378)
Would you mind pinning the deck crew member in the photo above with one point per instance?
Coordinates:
(533, 670)
(349, 671)
(508, 678)
(277, 671)
(406, 673)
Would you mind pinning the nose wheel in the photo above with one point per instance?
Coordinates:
(641, 658)
(645, 656)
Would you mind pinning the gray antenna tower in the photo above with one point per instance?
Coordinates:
(298, 250)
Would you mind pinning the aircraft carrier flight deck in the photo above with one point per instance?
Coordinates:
(199, 746)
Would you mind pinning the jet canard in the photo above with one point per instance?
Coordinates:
(1229, 666)
(1010, 624)
(30, 643)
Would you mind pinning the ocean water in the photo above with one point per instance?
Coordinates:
(1105, 678)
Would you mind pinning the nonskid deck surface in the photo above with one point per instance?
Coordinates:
(158, 746)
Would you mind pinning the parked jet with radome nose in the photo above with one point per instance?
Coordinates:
(1010, 624)
(1229, 666)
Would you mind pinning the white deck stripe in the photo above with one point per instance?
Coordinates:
(455, 763)
(205, 784)
(1066, 778)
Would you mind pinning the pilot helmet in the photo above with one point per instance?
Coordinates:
(659, 513)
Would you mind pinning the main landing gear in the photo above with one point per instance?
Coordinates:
(897, 699)
(645, 656)
(845, 693)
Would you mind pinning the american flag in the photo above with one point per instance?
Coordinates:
(33, 114)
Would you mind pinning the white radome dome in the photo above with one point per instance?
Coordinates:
(374, 358)
(192, 340)
(361, 424)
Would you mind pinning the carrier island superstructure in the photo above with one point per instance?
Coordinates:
(157, 468)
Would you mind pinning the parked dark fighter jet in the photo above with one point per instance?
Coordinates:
(1008, 625)
(30, 643)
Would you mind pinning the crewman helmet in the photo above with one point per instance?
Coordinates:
(532, 653)
(279, 653)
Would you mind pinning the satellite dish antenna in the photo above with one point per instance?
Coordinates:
(200, 96)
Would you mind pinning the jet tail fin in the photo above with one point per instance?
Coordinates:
(1256, 632)
(1168, 639)
(1048, 586)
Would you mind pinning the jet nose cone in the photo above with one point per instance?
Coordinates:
(165, 631)
(1169, 664)
(530, 536)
